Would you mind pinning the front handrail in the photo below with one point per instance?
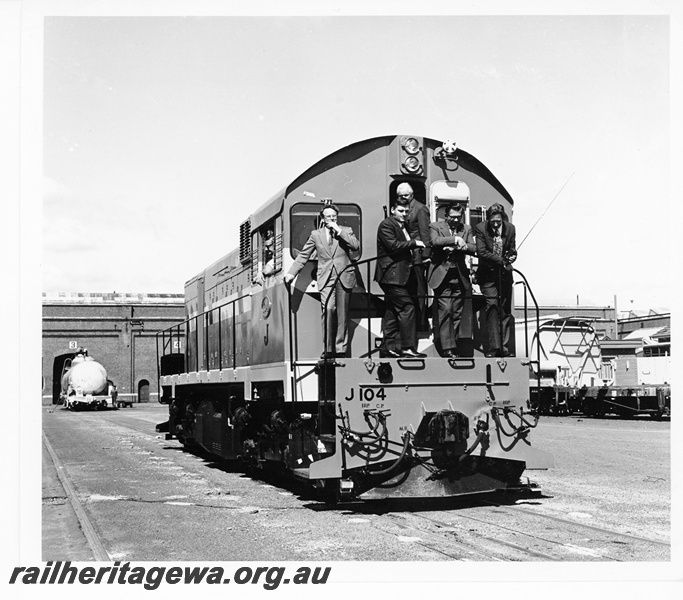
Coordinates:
(428, 295)
(167, 336)
(368, 284)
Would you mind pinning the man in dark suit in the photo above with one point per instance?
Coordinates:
(396, 276)
(449, 277)
(417, 224)
(497, 250)
(332, 245)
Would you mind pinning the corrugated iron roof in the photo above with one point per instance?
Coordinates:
(664, 332)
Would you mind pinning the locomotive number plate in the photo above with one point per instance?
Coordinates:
(367, 395)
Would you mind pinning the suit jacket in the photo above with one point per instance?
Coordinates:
(490, 264)
(443, 260)
(332, 257)
(417, 224)
(394, 256)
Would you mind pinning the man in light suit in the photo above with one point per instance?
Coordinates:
(497, 250)
(395, 274)
(449, 277)
(332, 244)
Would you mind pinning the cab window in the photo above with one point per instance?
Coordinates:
(267, 257)
(445, 193)
(305, 217)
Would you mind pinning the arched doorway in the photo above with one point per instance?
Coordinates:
(143, 390)
(57, 372)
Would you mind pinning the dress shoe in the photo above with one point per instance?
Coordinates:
(389, 354)
(449, 354)
(491, 354)
(410, 353)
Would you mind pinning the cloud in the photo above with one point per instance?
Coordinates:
(66, 234)
(55, 192)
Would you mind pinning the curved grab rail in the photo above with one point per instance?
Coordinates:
(527, 289)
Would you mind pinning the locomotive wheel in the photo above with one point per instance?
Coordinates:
(327, 491)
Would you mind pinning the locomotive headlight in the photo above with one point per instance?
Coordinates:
(412, 146)
(412, 164)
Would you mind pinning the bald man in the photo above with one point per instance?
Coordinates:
(417, 225)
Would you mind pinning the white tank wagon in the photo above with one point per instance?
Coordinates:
(85, 384)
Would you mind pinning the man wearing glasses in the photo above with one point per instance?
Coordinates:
(449, 277)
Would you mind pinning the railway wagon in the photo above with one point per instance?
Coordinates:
(634, 385)
(84, 384)
(570, 360)
(252, 384)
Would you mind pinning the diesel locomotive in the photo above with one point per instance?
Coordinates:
(244, 377)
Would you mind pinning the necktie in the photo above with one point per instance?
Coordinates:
(497, 244)
(405, 231)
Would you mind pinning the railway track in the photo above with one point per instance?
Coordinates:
(454, 542)
(471, 530)
(602, 530)
(464, 534)
(93, 539)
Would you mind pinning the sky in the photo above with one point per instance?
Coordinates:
(161, 134)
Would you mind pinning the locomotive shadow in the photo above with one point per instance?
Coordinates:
(414, 505)
(375, 506)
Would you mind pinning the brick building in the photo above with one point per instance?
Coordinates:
(117, 329)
